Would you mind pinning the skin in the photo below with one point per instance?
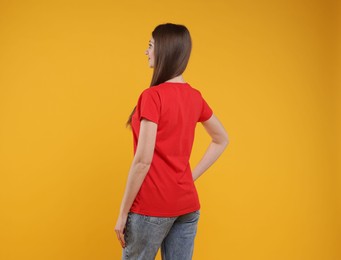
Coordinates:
(150, 52)
(145, 149)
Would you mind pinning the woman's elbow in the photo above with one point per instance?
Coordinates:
(143, 164)
(223, 140)
(225, 143)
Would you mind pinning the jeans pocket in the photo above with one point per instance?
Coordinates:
(156, 220)
(127, 228)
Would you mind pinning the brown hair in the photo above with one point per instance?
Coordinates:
(172, 49)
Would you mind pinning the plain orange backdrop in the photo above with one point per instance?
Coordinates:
(70, 73)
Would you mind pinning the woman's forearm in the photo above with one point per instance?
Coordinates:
(212, 153)
(140, 165)
(137, 173)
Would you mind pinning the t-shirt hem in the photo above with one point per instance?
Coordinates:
(149, 118)
(206, 118)
(167, 214)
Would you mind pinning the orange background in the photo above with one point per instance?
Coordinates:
(70, 74)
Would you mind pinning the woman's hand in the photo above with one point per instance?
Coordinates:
(120, 228)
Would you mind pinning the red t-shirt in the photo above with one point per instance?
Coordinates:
(168, 189)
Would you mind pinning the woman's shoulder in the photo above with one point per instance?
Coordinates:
(150, 92)
(166, 88)
(172, 85)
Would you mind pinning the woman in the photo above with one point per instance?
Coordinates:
(160, 206)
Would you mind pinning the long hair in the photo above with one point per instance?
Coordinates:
(172, 49)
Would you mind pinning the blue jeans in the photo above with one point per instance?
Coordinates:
(144, 235)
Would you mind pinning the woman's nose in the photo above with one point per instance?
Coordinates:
(146, 52)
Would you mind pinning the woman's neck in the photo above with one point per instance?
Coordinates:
(178, 79)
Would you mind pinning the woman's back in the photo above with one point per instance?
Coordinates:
(168, 189)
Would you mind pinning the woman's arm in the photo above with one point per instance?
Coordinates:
(218, 144)
(138, 171)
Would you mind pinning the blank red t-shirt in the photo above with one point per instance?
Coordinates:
(168, 189)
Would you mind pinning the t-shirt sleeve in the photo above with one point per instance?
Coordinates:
(149, 106)
(206, 111)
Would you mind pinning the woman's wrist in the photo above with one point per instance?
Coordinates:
(123, 212)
